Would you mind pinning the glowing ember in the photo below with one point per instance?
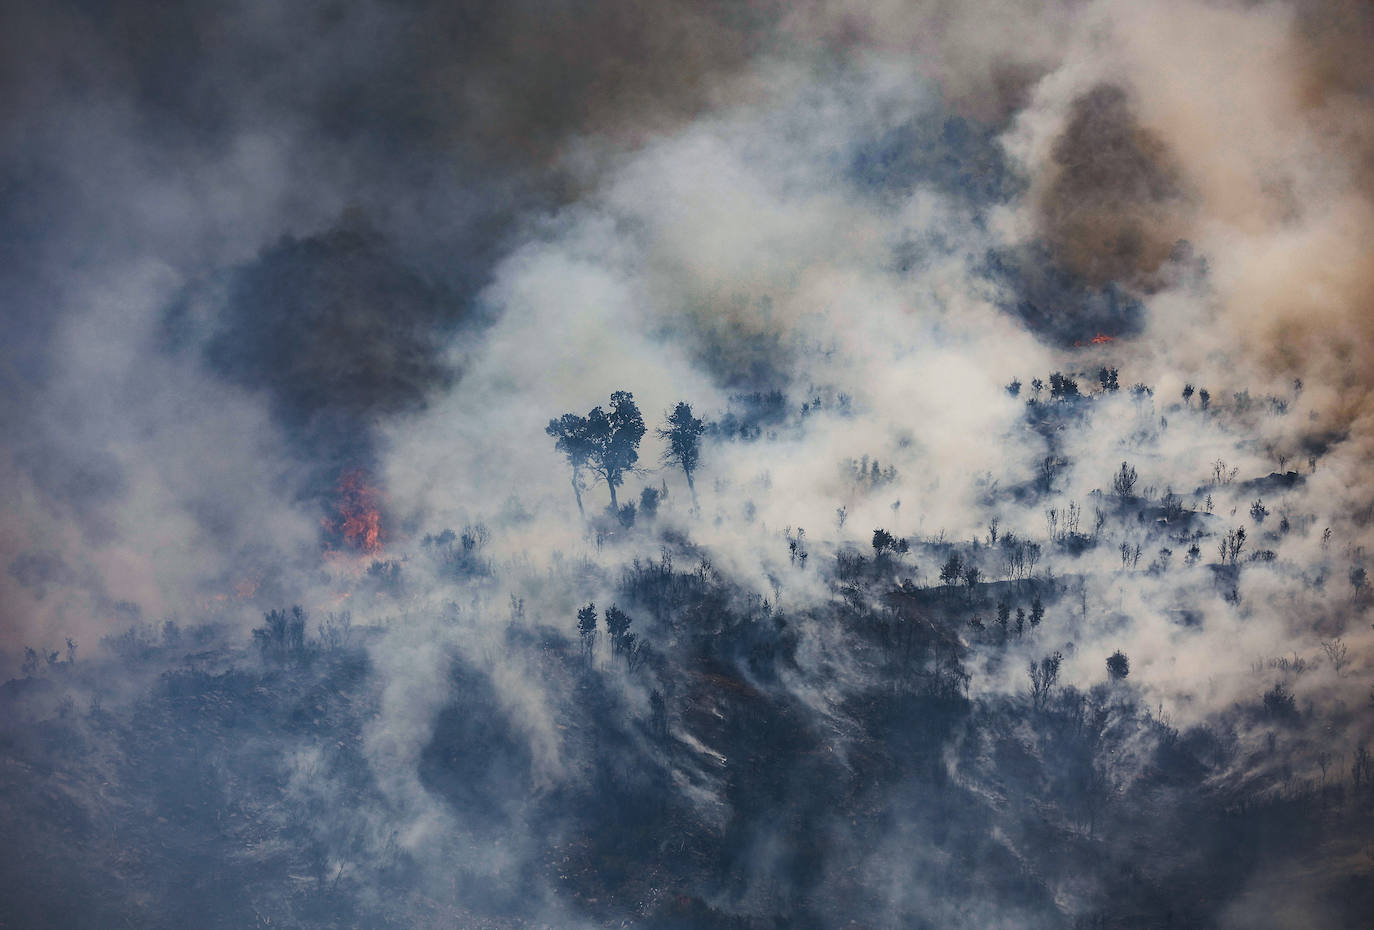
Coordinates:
(359, 511)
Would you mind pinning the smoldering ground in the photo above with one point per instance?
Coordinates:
(293, 295)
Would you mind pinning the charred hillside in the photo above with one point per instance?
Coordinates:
(911, 743)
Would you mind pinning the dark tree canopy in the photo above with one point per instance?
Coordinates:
(1118, 666)
(615, 440)
(683, 434)
(607, 443)
(282, 635)
(586, 628)
(586, 620)
(573, 438)
(618, 623)
(1044, 675)
(1061, 386)
(952, 569)
(1123, 482)
(882, 541)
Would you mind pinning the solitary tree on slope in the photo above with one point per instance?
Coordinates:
(683, 433)
(607, 443)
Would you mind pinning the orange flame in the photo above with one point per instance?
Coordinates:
(1098, 340)
(242, 589)
(360, 514)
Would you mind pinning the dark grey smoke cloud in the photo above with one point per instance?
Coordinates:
(334, 329)
(1057, 304)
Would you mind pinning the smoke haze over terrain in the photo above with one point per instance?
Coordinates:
(292, 290)
(177, 149)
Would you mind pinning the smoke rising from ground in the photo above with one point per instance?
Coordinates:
(293, 293)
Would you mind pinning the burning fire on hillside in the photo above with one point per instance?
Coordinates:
(356, 519)
(1099, 340)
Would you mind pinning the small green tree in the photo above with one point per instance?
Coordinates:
(883, 541)
(572, 437)
(617, 435)
(281, 638)
(1062, 386)
(1230, 545)
(1359, 579)
(683, 434)
(586, 628)
(618, 625)
(951, 571)
(1280, 703)
(1044, 675)
(1338, 653)
(1124, 481)
(1118, 666)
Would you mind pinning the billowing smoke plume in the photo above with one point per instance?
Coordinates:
(1022, 335)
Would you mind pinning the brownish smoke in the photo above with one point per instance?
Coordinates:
(1248, 131)
(527, 76)
(1114, 209)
